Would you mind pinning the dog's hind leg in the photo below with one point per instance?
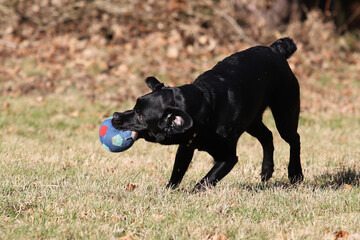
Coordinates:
(264, 135)
(286, 117)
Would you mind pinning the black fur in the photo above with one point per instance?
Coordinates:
(211, 113)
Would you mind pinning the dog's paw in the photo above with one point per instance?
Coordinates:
(296, 178)
(266, 175)
(172, 186)
(200, 187)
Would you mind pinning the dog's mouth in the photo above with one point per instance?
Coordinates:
(134, 135)
(117, 124)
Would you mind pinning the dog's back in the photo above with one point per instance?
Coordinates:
(242, 85)
(251, 63)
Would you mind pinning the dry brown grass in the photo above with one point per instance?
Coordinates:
(58, 182)
(106, 49)
(60, 79)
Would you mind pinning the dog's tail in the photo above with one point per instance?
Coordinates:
(284, 46)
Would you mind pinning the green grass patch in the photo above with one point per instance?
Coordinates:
(58, 182)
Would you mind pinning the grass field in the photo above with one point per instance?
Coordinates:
(57, 182)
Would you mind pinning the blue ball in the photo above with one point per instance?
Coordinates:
(114, 140)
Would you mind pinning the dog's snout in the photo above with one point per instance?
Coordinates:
(116, 116)
(117, 120)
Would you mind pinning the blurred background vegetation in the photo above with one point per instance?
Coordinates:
(104, 49)
(66, 64)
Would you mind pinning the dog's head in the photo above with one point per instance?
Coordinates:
(155, 116)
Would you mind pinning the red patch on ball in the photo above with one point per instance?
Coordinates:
(103, 130)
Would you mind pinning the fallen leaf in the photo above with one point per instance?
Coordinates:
(130, 187)
(126, 237)
(341, 234)
(347, 187)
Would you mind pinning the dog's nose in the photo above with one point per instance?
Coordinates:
(116, 116)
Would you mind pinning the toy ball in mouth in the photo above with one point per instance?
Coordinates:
(115, 140)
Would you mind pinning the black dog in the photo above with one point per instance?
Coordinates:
(211, 113)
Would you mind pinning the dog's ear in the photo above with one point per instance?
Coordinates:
(153, 83)
(175, 120)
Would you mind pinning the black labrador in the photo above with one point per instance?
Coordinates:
(211, 113)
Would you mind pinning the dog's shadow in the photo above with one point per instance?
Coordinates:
(337, 179)
(330, 180)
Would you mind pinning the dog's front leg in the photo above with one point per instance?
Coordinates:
(219, 170)
(183, 158)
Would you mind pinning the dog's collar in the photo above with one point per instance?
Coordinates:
(191, 140)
